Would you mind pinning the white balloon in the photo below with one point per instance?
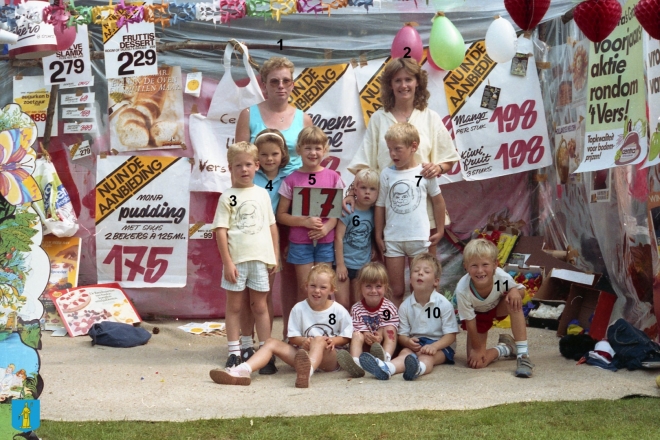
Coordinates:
(501, 41)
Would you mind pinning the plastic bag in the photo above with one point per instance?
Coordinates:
(55, 208)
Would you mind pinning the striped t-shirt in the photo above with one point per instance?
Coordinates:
(366, 319)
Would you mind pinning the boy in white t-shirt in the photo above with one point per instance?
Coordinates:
(248, 242)
(427, 327)
(488, 292)
(401, 220)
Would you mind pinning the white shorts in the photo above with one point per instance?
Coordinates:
(254, 274)
(406, 248)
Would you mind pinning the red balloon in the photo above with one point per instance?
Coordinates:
(64, 36)
(407, 44)
(648, 15)
(527, 13)
(597, 18)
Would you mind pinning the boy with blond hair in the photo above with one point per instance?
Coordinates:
(427, 326)
(247, 238)
(402, 222)
(488, 292)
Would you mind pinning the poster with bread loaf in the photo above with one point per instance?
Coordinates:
(146, 112)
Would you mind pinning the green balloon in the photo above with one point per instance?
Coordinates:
(446, 44)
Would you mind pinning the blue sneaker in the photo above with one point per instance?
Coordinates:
(412, 367)
(374, 366)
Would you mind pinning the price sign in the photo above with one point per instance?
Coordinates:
(72, 65)
(317, 202)
(77, 98)
(77, 113)
(33, 96)
(79, 127)
(73, 85)
(80, 150)
(510, 138)
(200, 231)
(130, 51)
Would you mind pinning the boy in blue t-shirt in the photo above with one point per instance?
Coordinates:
(354, 236)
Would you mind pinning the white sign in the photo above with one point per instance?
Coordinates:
(317, 202)
(201, 232)
(74, 98)
(131, 51)
(73, 85)
(79, 127)
(142, 220)
(77, 113)
(72, 65)
(33, 96)
(194, 83)
(80, 150)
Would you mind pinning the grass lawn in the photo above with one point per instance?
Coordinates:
(632, 418)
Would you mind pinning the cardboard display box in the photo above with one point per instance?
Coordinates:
(559, 277)
(583, 303)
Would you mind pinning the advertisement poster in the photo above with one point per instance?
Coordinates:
(33, 96)
(653, 73)
(567, 153)
(129, 50)
(327, 95)
(82, 307)
(70, 66)
(142, 220)
(498, 118)
(616, 104)
(146, 112)
(64, 255)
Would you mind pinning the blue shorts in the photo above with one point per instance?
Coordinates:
(448, 351)
(308, 253)
(352, 273)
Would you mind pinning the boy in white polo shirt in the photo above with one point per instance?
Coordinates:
(427, 327)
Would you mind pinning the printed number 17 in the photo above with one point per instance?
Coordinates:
(155, 269)
(326, 207)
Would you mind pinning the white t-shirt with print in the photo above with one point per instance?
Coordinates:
(247, 214)
(468, 303)
(432, 320)
(403, 194)
(331, 322)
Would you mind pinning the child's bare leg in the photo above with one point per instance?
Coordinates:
(518, 325)
(429, 361)
(233, 303)
(356, 344)
(343, 293)
(491, 353)
(396, 272)
(302, 271)
(398, 361)
(247, 318)
(259, 306)
(389, 338)
(271, 309)
(272, 347)
(321, 356)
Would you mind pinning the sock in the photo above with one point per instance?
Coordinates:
(357, 360)
(234, 348)
(521, 346)
(246, 342)
(261, 344)
(422, 368)
(388, 357)
(244, 366)
(503, 351)
(311, 371)
(390, 366)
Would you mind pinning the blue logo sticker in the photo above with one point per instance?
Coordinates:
(25, 414)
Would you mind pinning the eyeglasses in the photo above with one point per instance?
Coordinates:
(274, 82)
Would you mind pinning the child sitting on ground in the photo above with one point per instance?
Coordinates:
(375, 320)
(488, 292)
(316, 326)
(353, 236)
(427, 326)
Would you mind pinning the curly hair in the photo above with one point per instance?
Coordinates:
(326, 269)
(274, 63)
(392, 68)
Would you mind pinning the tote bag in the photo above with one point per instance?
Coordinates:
(213, 134)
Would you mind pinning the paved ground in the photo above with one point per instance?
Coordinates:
(168, 379)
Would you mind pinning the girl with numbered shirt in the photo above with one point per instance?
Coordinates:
(310, 238)
(375, 320)
(317, 325)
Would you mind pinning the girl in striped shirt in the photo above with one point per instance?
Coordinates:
(375, 320)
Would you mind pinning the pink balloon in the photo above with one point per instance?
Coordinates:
(408, 44)
(431, 62)
(65, 38)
